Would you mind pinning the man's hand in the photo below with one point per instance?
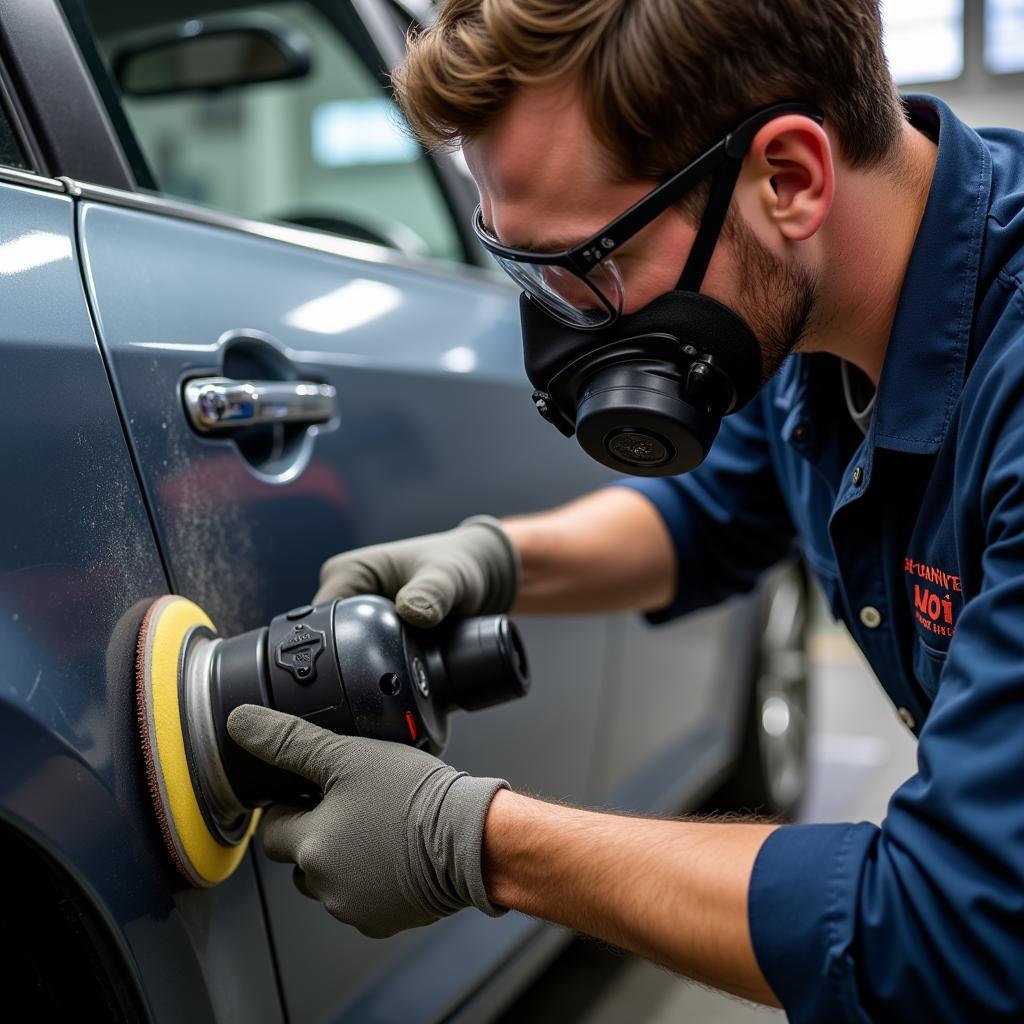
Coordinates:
(395, 841)
(471, 570)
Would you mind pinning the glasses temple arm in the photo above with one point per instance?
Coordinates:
(724, 161)
(653, 205)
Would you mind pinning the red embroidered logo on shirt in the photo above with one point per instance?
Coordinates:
(933, 597)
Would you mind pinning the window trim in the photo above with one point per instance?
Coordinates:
(290, 234)
(58, 98)
(30, 179)
(81, 32)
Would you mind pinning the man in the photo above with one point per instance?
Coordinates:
(882, 244)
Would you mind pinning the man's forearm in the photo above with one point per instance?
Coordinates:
(609, 551)
(672, 891)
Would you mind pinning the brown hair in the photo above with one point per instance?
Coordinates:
(660, 79)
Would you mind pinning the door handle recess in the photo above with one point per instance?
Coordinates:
(216, 405)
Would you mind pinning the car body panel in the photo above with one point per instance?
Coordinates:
(435, 423)
(77, 567)
(676, 693)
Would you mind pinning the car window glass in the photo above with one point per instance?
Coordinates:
(11, 154)
(326, 150)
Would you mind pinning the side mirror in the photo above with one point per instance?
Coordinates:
(210, 53)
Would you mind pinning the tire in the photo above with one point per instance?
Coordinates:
(769, 776)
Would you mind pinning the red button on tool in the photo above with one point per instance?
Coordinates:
(411, 723)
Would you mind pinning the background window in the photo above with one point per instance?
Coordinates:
(924, 39)
(1004, 36)
(326, 150)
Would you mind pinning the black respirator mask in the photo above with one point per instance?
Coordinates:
(644, 394)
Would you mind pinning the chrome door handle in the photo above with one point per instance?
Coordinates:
(218, 404)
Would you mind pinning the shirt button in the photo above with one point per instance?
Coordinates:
(908, 718)
(800, 432)
(858, 476)
(870, 616)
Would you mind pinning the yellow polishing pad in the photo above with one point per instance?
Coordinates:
(200, 857)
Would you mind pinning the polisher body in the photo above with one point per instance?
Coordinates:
(350, 666)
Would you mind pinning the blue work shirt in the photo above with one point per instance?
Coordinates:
(916, 533)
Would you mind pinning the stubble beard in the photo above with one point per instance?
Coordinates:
(777, 300)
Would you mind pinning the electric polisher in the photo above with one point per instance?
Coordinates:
(351, 666)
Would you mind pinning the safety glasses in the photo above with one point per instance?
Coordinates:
(582, 287)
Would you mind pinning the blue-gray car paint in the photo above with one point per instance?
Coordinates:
(77, 562)
(435, 423)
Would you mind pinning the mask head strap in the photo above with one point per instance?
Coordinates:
(723, 184)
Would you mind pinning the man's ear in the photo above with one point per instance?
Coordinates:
(791, 161)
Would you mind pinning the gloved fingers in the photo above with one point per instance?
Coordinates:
(348, 575)
(301, 883)
(429, 595)
(286, 741)
(282, 831)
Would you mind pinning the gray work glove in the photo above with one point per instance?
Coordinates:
(471, 570)
(395, 841)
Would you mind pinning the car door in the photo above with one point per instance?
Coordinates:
(414, 449)
(78, 565)
(433, 423)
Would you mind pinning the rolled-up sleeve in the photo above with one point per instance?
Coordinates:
(922, 919)
(727, 519)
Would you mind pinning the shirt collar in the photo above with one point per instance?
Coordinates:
(923, 372)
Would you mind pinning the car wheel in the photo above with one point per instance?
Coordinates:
(769, 776)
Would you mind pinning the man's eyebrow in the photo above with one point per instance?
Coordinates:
(549, 245)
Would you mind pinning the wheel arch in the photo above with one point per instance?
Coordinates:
(60, 949)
